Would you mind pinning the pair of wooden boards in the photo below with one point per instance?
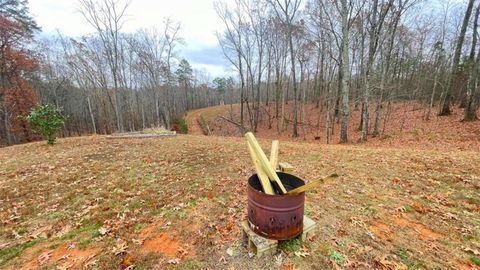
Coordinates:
(266, 168)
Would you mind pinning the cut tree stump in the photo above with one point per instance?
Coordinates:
(263, 246)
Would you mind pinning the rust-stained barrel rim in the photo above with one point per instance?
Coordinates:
(281, 175)
(272, 209)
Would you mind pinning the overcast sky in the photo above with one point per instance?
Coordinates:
(198, 18)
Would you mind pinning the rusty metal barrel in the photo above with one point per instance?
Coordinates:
(278, 217)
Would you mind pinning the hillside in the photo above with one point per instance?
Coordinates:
(175, 203)
(402, 125)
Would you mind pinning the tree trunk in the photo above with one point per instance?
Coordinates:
(90, 111)
(456, 60)
(344, 70)
(471, 108)
(294, 81)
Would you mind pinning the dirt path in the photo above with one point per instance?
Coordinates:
(210, 114)
(192, 121)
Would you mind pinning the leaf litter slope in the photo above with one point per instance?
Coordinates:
(402, 125)
(115, 203)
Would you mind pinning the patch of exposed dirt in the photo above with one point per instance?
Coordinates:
(148, 231)
(162, 243)
(64, 257)
(466, 266)
(382, 231)
(423, 232)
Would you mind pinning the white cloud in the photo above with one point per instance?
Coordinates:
(198, 19)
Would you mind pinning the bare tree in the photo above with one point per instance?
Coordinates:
(344, 69)
(108, 18)
(286, 11)
(445, 110)
(470, 106)
(328, 56)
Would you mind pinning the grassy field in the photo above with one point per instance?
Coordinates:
(176, 203)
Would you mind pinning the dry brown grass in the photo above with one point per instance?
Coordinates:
(400, 207)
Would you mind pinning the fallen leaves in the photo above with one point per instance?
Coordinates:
(96, 186)
(4, 245)
(386, 264)
(358, 222)
(103, 231)
(289, 266)
(44, 257)
(66, 256)
(40, 232)
(471, 250)
(65, 266)
(418, 207)
(382, 231)
(127, 261)
(71, 246)
(364, 249)
(301, 254)
(120, 248)
(222, 260)
(90, 262)
(181, 252)
(64, 230)
(230, 251)
(174, 261)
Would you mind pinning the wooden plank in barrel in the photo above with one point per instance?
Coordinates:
(274, 154)
(311, 185)
(264, 161)
(285, 167)
(262, 176)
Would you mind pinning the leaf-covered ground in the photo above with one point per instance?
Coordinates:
(402, 124)
(176, 203)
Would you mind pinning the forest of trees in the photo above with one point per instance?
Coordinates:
(105, 82)
(337, 54)
(351, 53)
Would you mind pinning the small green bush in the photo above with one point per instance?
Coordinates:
(46, 120)
(475, 260)
(183, 126)
(292, 245)
(337, 257)
(416, 133)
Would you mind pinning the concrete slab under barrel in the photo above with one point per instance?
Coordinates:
(263, 246)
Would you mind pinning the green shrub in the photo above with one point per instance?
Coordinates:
(337, 257)
(46, 120)
(183, 126)
(475, 260)
(292, 245)
(416, 133)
